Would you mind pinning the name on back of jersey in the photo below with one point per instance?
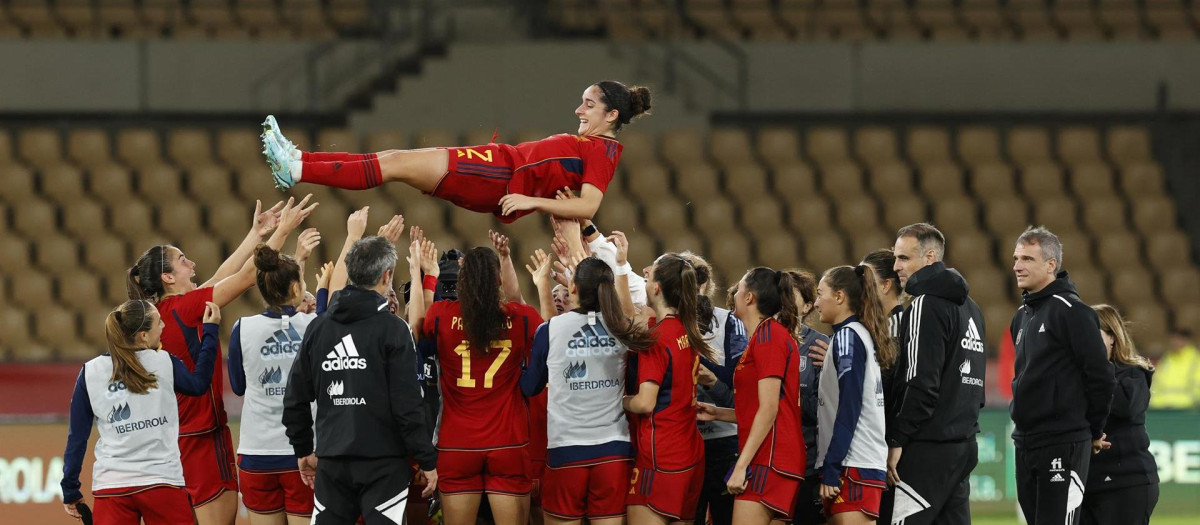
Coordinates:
(457, 324)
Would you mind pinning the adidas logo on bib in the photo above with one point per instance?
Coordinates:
(344, 357)
(591, 339)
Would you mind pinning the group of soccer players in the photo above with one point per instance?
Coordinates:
(622, 396)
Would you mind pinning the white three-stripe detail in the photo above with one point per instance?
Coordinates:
(914, 325)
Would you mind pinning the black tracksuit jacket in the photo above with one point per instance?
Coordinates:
(359, 363)
(940, 364)
(1063, 382)
(1129, 462)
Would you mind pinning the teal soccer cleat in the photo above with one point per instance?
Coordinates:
(278, 157)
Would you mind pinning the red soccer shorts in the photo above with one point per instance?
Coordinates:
(156, 504)
(771, 489)
(857, 494)
(671, 494)
(590, 491)
(477, 177)
(498, 471)
(208, 465)
(271, 492)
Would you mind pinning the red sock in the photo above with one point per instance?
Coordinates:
(352, 175)
(333, 156)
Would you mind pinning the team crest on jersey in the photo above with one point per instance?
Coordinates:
(283, 344)
(1020, 334)
(803, 363)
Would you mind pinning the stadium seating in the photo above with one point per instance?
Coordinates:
(854, 20)
(184, 19)
(77, 205)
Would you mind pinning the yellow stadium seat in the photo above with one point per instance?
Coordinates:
(682, 147)
(732, 256)
(33, 217)
(942, 181)
(40, 147)
(970, 249)
(16, 183)
(1132, 285)
(731, 147)
(1142, 179)
(956, 212)
(1169, 249)
(14, 253)
(997, 318)
(1128, 145)
(1077, 245)
(824, 250)
(14, 324)
(79, 291)
(134, 220)
(778, 146)
(33, 290)
(1180, 286)
(240, 148)
(62, 184)
(1154, 213)
(1117, 251)
(1149, 325)
(747, 184)
(57, 254)
(892, 180)
(928, 145)
(842, 180)
(978, 145)
(180, 219)
(860, 213)
(715, 219)
(1042, 181)
(107, 255)
(1058, 214)
(255, 182)
(212, 183)
(190, 148)
(1092, 180)
(1089, 281)
(1104, 214)
(700, 182)
(868, 241)
(903, 211)
(990, 285)
(1006, 217)
(683, 240)
(113, 184)
(138, 148)
(665, 217)
(993, 180)
(876, 145)
(160, 182)
(1079, 145)
(795, 180)
(764, 215)
(89, 147)
(827, 145)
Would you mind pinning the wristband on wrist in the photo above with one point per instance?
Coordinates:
(429, 282)
(623, 269)
(589, 231)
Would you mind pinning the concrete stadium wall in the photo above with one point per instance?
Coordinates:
(513, 84)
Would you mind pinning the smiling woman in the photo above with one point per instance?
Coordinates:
(505, 180)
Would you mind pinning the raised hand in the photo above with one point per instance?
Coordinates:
(622, 243)
(414, 260)
(429, 258)
(393, 230)
(539, 268)
(308, 240)
(212, 313)
(500, 243)
(264, 222)
(291, 216)
(356, 224)
(324, 275)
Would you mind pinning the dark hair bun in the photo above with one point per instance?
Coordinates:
(266, 259)
(639, 100)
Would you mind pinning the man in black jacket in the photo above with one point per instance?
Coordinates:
(1062, 387)
(359, 363)
(938, 387)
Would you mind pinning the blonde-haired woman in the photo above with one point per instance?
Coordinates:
(1122, 484)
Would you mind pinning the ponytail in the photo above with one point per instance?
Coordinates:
(483, 313)
(143, 282)
(775, 293)
(120, 328)
(705, 313)
(598, 292)
(681, 289)
(858, 283)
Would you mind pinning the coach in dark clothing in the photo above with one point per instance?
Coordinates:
(1062, 386)
(939, 386)
(359, 363)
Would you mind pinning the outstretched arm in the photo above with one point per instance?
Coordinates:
(508, 273)
(229, 288)
(584, 207)
(264, 223)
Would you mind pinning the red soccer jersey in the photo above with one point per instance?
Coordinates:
(183, 317)
(668, 438)
(543, 167)
(772, 352)
(482, 405)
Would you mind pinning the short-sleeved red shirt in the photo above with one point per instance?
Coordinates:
(482, 405)
(772, 352)
(183, 317)
(543, 167)
(668, 438)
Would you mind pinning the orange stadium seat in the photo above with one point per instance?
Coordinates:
(80, 291)
(1133, 285)
(649, 183)
(780, 252)
(970, 249)
(764, 220)
(1076, 245)
(160, 182)
(824, 250)
(16, 183)
(210, 183)
(33, 289)
(954, 213)
(180, 219)
(666, 217)
(134, 220)
(868, 241)
(1149, 324)
(239, 148)
(683, 241)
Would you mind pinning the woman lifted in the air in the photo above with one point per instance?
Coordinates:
(505, 180)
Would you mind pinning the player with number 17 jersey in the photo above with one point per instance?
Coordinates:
(482, 405)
